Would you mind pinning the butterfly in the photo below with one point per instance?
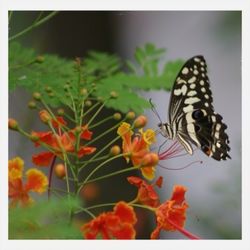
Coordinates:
(192, 119)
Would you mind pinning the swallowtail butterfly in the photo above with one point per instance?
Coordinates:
(191, 113)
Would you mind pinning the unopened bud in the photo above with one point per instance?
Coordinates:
(32, 105)
(51, 94)
(78, 129)
(83, 91)
(37, 96)
(100, 98)
(150, 159)
(117, 116)
(130, 115)
(140, 121)
(60, 171)
(113, 94)
(45, 116)
(60, 111)
(40, 59)
(48, 89)
(115, 150)
(13, 124)
(88, 103)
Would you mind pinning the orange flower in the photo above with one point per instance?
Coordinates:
(137, 148)
(36, 181)
(171, 215)
(59, 144)
(118, 224)
(146, 193)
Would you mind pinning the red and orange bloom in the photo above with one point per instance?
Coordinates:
(171, 215)
(146, 193)
(118, 224)
(136, 148)
(36, 181)
(60, 144)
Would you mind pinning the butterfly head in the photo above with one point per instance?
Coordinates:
(166, 130)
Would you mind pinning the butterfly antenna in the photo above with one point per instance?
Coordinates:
(154, 110)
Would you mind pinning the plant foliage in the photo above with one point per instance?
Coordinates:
(35, 72)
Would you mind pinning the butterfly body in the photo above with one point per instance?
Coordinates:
(192, 119)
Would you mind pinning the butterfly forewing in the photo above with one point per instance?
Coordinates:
(191, 112)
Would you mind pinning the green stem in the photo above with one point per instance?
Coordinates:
(103, 134)
(114, 203)
(99, 152)
(112, 174)
(96, 113)
(34, 25)
(90, 109)
(98, 159)
(98, 167)
(86, 211)
(101, 122)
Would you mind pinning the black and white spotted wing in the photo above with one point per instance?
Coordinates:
(191, 113)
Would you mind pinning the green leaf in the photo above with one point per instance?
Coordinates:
(148, 58)
(34, 73)
(43, 220)
(25, 71)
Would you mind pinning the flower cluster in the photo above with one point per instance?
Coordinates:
(69, 145)
(36, 181)
(59, 143)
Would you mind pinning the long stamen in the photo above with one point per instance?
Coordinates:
(188, 165)
(172, 151)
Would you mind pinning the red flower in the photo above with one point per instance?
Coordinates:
(36, 181)
(171, 215)
(146, 193)
(137, 148)
(118, 224)
(60, 144)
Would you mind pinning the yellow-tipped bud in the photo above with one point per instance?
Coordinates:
(117, 116)
(37, 96)
(140, 121)
(130, 115)
(150, 159)
(115, 150)
(13, 124)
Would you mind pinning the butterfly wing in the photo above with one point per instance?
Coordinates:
(191, 112)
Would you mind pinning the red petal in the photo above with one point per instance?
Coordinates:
(86, 134)
(178, 194)
(86, 151)
(59, 122)
(159, 182)
(125, 212)
(135, 180)
(43, 159)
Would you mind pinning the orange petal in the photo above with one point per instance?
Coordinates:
(36, 180)
(59, 122)
(15, 168)
(125, 212)
(86, 151)
(178, 194)
(148, 172)
(86, 134)
(42, 159)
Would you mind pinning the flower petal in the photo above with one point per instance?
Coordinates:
(42, 159)
(125, 212)
(36, 181)
(15, 168)
(178, 194)
(86, 151)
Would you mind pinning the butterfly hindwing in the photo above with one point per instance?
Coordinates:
(191, 111)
